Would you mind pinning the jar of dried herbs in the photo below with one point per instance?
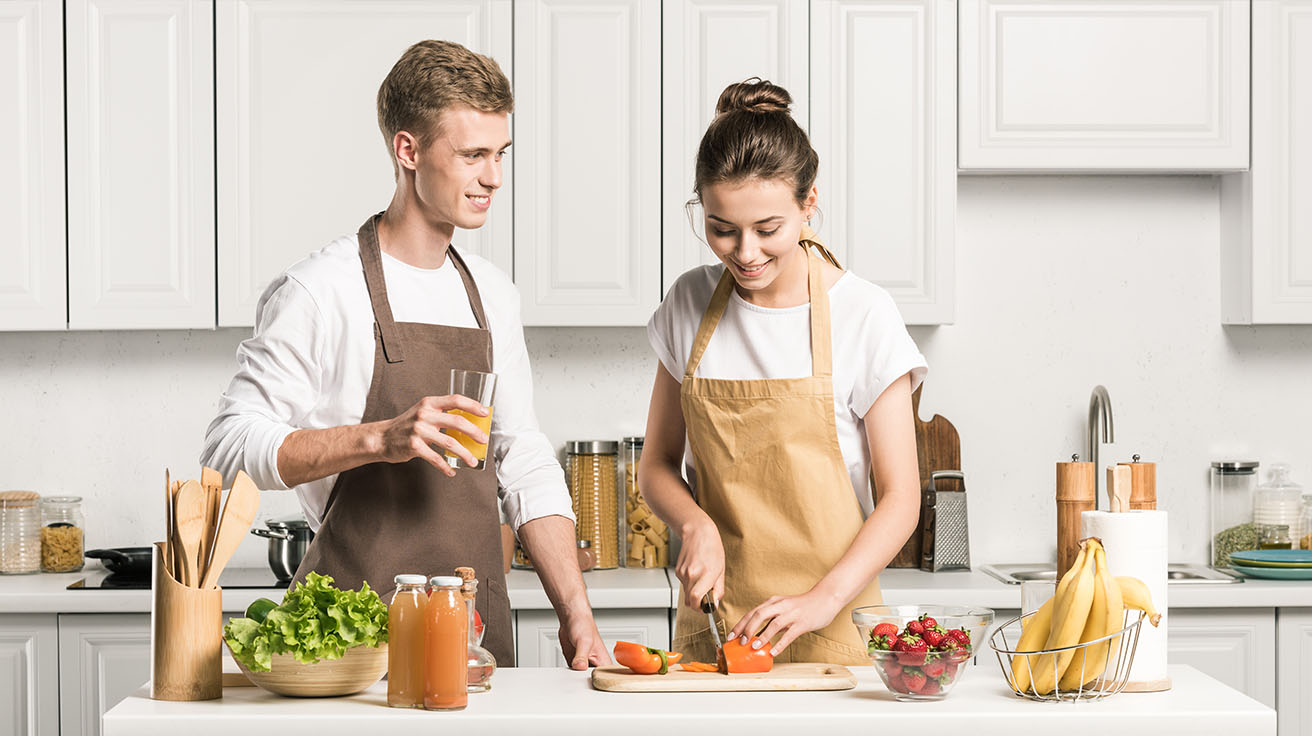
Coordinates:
(61, 534)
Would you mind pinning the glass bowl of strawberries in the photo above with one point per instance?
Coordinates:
(920, 651)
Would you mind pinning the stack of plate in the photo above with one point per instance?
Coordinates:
(1275, 564)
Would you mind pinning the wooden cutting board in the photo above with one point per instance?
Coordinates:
(791, 676)
(937, 448)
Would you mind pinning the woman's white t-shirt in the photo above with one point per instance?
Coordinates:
(871, 349)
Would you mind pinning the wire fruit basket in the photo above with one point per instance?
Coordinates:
(1115, 673)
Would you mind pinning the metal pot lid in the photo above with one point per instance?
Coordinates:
(290, 525)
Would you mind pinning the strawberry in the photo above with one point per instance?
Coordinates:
(915, 627)
(934, 668)
(927, 622)
(914, 680)
(895, 683)
(884, 629)
(931, 687)
(950, 670)
(960, 636)
(932, 638)
(911, 649)
(892, 668)
(879, 643)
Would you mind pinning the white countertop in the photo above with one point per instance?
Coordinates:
(547, 701)
(658, 588)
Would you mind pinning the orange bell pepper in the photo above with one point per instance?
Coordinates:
(645, 660)
(699, 667)
(733, 657)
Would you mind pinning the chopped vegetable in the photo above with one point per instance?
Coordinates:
(645, 660)
(315, 621)
(699, 667)
(734, 657)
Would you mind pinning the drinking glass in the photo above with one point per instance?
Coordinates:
(1034, 593)
(480, 387)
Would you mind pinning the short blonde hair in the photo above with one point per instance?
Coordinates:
(432, 76)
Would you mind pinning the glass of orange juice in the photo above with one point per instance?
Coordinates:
(480, 387)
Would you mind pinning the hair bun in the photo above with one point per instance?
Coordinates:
(754, 95)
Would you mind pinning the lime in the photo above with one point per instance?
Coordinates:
(259, 609)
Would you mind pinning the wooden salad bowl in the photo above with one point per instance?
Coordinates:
(359, 668)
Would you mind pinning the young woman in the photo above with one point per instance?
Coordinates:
(789, 378)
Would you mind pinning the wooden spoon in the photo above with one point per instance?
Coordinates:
(234, 524)
(190, 508)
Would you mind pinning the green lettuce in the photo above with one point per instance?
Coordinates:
(315, 621)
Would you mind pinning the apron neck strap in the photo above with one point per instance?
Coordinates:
(372, 259)
(822, 363)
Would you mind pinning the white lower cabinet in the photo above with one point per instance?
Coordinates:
(1235, 645)
(103, 658)
(1293, 675)
(537, 633)
(29, 674)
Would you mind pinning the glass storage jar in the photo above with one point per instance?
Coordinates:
(1305, 542)
(1232, 509)
(61, 534)
(1279, 501)
(646, 538)
(590, 468)
(20, 532)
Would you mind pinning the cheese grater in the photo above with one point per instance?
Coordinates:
(946, 537)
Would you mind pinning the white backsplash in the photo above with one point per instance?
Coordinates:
(1063, 283)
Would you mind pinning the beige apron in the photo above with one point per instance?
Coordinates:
(771, 476)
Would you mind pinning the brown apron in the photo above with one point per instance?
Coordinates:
(771, 476)
(383, 519)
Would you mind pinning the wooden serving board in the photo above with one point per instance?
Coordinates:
(790, 676)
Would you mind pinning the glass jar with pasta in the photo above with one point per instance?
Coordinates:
(646, 537)
(61, 534)
(590, 469)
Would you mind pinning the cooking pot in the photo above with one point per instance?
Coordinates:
(124, 561)
(288, 541)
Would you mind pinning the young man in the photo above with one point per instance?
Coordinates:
(342, 394)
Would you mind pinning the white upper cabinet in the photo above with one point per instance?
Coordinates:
(1091, 85)
(1266, 237)
(141, 164)
(883, 120)
(32, 293)
(708, 44)
(588, 161)
(301, 158)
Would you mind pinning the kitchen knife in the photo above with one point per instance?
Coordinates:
(708, 605)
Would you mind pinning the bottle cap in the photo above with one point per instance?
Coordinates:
(410, 580)
(585, 544)
(445, 581)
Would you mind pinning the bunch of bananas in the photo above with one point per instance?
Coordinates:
(1090, 604)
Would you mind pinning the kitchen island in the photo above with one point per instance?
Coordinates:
(547, 701)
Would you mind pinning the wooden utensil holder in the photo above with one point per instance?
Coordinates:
(186, 627)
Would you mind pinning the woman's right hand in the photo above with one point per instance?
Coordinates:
(418, 432)
(700, 567)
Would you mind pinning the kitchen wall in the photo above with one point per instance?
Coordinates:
(1062, 283)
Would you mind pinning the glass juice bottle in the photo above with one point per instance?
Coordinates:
(481, 662)
(447, 646)
(406, 629)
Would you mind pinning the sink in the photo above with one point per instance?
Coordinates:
(1175, 574)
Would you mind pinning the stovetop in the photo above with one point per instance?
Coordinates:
(231, 579)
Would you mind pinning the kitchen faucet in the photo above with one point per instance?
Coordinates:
(1100, 412)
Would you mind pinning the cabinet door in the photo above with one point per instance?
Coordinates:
(301, 158)
(1104, 85)
(883, 120)
(1266, 236)
(538, 633)
(1294, 681)
(32, 286)
(1235, 645)
(706, 45)
(141, 164)
(29, 675)
(103, 658)
(587, 140)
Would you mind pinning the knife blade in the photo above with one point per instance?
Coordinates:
(708, 605)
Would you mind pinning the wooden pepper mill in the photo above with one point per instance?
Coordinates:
(1075, 495)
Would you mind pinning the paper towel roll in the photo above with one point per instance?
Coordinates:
(1135, 542)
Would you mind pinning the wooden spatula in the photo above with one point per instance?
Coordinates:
(234, 524)
(212, 482)
(190, 508)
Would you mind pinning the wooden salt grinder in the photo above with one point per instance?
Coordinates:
(1075, 495)
(1143, 485)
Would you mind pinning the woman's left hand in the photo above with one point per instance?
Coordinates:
(789, 616)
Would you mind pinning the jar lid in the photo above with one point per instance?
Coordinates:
(291, 524)
(585, 544)
(410, 580)
(633, 441)
(61, 500)
(18, 499)
(445, 581)
(592, 447)
(1235, 467)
